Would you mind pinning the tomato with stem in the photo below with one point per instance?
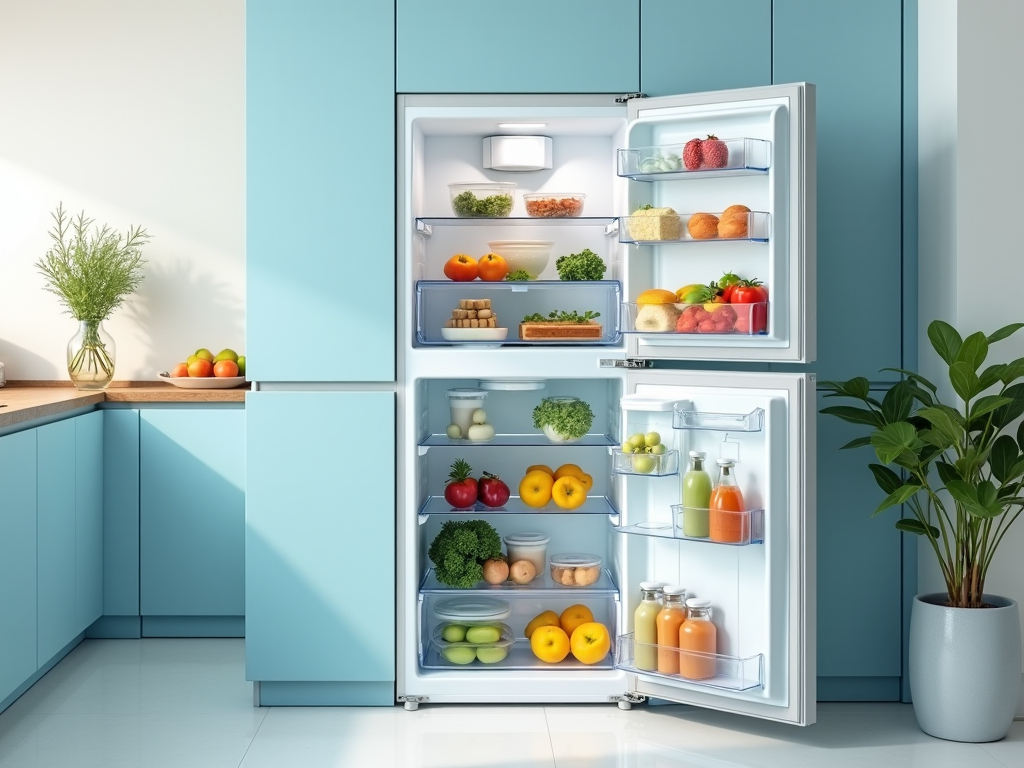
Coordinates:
(755, 318)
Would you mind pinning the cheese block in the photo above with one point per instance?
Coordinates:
(559, 331)
(654, 224)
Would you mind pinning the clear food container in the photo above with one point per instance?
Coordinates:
(529, 546)
(575, 569)
(462, 403)
(550, 205)
(679, 319)
(472, 611)
(496, 642)
(654, 464)
(482, 200)
(529, 255)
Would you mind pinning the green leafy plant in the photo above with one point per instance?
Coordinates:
(585, 265)
(460, 549)
(569, 417)
(556, 316)
(959, 471)
(517, 275)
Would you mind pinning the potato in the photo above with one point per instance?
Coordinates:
(522, 572)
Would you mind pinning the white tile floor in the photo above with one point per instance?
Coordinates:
(152, 703)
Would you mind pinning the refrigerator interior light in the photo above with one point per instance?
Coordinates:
(512, 385)
(517, 153)
(525, 126)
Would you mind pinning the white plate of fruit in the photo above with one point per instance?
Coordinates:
(204, 370)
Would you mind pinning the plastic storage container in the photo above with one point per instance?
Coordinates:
(722, 319)
(530, 255)
(472, 629)
(482, 200)
(462, 402)
(548, 205)
(654, 464)
(528, 546)
(575, 570)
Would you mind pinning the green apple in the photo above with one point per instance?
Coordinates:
(454, 633)
(644, 463)
(491, 654)
(459, 654)
(191, 359)
(226, 354)
(652, 439)
(627, 447)
(241, 365)
(483, 635)
(204, 354)
(637, 440)
(659, 449)
(454, 431)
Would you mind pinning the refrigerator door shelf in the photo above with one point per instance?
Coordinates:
(687, 418)
(695, 322)
(594, 505)
(751, 527)
(520, 657)
(725, 673)
(426, 224)
(754, 227)
(744, 157)
(645, 464)
(508, 440)
(541, 587)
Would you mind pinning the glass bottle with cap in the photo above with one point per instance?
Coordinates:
(670, 618)
(696, 497)
(727, 518)
(645, 625)
(697, 636)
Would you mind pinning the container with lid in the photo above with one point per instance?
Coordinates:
(486, 199)
(472, 610)
(488, 644)
(575, 569)
(531, 546)
(462, 402)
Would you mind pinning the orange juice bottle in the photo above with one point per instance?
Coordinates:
(670, 618)
(728, 523)
(699, 635)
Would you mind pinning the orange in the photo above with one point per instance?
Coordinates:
(225, 368)
(181, 369)
(656, 296)
(590, 642)
(541, 467)
(550, 644)
(200, 369)
(535, 488)
(546, 619)
(569, 469)
(574, 616)
(588, 482)
(568, 492)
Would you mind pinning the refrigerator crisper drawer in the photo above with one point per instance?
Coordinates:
(444, 314)
(704, 670)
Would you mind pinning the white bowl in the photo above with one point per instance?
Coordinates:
(474, 334)
(531, 255)
(204, 382)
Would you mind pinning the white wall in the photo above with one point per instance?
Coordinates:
(133, 110)
(971, 202)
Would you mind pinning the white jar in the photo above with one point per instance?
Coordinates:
(528, 546)
(462, 402)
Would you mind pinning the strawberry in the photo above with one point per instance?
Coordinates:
(692, 157)
(714, 152)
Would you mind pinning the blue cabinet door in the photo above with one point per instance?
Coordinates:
(320, 190)
(531, 46)
(853, 53)
(88, 519)
(192, 512)
(17, 560)
(121, 512)
(732, 50)
(55, 546)
(320, 536)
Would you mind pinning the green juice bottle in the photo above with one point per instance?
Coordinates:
(696, 498)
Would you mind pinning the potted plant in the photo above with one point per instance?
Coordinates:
(563, 419)
(959, 472)
(91, 275)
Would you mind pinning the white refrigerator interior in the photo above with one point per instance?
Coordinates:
(761, 584)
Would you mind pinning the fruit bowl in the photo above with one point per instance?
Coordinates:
(205, 382)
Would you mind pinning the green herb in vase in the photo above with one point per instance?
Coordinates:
(91, 274)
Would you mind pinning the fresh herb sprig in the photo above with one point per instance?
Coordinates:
(585, 265)
(492, 206)
(563, 317)
(518, 275)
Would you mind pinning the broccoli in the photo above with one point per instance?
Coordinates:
(585, 265)
(460, 549)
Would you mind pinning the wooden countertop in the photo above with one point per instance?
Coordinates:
(22, 401)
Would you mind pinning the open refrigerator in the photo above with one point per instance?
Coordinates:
(625, 155)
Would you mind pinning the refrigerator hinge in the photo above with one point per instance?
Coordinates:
(628, 699)
(412, 703)
(627, 96)
(630, 363)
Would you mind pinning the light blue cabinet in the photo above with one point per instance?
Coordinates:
(121, 512)
(56, 545)
(694, 45)
(320, 198)
(853, 53)
(192, 512)
(532, 46)
(88, 519)
(17, 560)
(320, 538)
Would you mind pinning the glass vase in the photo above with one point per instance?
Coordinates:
(91, 356)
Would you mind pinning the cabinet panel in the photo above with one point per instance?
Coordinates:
(733, 49)
(320, 536)
(859, 561)
(121, 512)
(320, 146)
(17, 560)
(192, 512)
(88, 519)
(56, 546)
(859, 129)
(533, 46)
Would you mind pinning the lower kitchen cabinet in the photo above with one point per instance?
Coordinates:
(192, 521)
(88, 519)
(17, 560)
(320, 547)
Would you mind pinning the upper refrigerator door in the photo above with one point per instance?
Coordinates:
(722, 186)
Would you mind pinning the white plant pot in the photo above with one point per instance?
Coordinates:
(557, 437)
(965, 667)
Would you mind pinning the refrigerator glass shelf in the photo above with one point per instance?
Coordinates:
(587, 441)
(746, 157)
(718, 422)
(594, 505)
(425, 224)
(541, 586)
(750, 529)
(520, 657)
(645, 464)
(725, 673)
(685, 320)
(754, 227)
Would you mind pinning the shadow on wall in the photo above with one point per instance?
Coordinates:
(176, 306)
(18, 361)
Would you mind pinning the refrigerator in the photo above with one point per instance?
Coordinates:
(719, 392)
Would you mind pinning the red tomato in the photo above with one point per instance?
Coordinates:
(461, 267)
(492, 491)
(755, 318)
(492, 267)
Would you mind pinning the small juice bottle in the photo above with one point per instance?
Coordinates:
(696, 497)
(645, 626)
(670, 618)
(699, 634)
(727, 522)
